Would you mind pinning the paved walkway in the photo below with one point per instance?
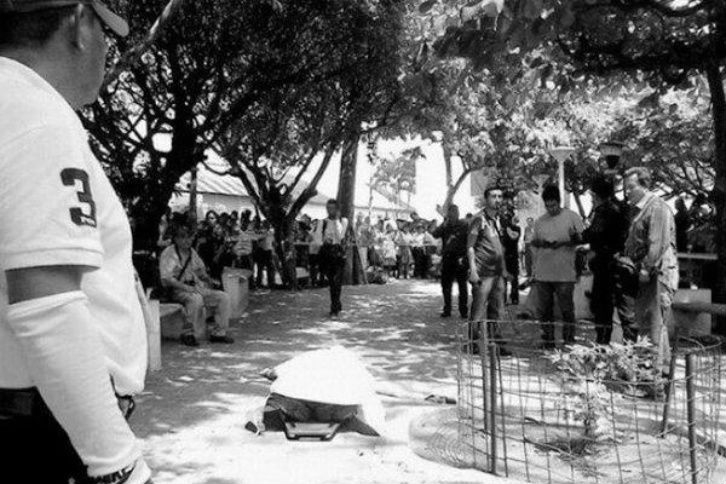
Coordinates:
(193, 414)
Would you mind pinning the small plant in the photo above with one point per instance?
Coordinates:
(590, 371)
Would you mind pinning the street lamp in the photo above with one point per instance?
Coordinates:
(612, 151)
(561, 153)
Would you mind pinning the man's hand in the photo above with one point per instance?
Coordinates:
(474, 278)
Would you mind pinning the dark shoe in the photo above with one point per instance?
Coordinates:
(446, 314)
(189, 340)
(221, 339)
(548, 345)
(464, 315)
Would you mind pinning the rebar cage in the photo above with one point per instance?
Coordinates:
(586, 413)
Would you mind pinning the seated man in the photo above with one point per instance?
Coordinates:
(184, 273)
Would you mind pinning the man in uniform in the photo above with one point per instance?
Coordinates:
(606, 236)
(453, 234)
(72, 336)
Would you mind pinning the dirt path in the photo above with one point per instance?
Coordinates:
(193, 414)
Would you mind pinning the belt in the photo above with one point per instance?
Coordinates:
(27, 402)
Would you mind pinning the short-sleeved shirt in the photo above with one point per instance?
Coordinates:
(171, 263)
(243, 244)
(556, 265)
(484, 238)
(57, 207)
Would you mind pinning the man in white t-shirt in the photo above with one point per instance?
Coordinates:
(331, 233)
(72, 336)
(556, 235)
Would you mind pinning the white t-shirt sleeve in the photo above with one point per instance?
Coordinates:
(47, 210)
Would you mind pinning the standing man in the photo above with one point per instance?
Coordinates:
(556, 234)
(72, 335)
(651, 245)
(606, 235)
(485, 255)
(332, 232)
(454, 266)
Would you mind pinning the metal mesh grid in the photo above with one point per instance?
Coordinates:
(520, 415)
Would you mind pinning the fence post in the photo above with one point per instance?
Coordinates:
(668, 392)
(493, 405)
(691, 409)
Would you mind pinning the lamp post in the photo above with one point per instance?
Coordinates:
(561, 153)
(612, 151)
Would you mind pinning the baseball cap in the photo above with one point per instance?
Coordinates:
(114, 22)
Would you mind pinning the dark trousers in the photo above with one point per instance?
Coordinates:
(454, 269)
(334, 274)
(605, 299)
(486, 306)
(545, 294)
(36, 449)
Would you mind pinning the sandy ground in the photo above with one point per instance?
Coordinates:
(192, 416)
(193, 413)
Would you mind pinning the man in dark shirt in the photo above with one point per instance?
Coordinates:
(683, 224)
(606, 236)
(486, 269)
(453, 233)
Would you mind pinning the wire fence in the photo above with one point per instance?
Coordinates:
(586, 413)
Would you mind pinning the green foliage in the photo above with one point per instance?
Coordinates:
(589, 373)
(271, 81)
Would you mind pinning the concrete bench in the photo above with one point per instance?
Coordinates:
(693, 311)
(713, 309)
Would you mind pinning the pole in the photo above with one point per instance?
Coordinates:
(193, 195)
(493, 405)
(561, 181)
(668, 391)
(691, 409)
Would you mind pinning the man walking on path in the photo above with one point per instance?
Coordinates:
(651, 245)
(485, 255)
(453, 234)
(72, 335)
(332, 232)
(556, 234)
(606, 235)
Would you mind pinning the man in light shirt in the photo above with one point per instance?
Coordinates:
(332, 233)
(72, 337)
(556, 235)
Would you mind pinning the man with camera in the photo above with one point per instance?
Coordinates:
(184, 274)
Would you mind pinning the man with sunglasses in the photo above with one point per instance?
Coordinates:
(72, 337)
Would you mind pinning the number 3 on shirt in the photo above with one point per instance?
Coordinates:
(69, 176)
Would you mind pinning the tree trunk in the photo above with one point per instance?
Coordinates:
(346, 179)
(453, 189)
(718, 102)
(285, 249)
(447, 164)
(346, 192)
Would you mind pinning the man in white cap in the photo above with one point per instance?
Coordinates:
(72, 337)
